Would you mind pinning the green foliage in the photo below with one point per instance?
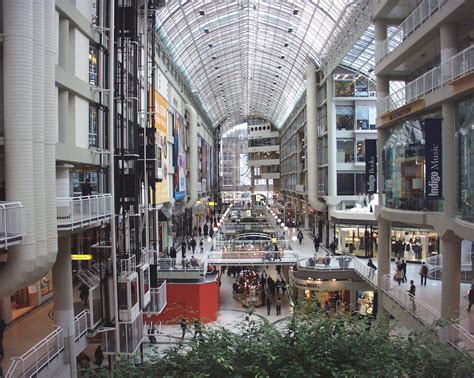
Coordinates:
(310, 345)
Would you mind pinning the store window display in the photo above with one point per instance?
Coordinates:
(404, 167)
(414, 245)
(365, 302)
(465, 138)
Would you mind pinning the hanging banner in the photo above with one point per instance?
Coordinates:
(371, 166)
(433, 160)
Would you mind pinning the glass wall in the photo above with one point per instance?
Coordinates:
(345, 150)
(465, 137)
(345, 117)
(404, 167)
(350, 184)
(353, 85)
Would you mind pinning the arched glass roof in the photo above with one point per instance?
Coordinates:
(247, 58)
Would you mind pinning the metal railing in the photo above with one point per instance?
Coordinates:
(81, 324)
(158, 298)
(417, 88)
(458, 66)
(453, 334)
(261, 255)
(45, 351)
(38, 357)
(76, 212)
(420, 15)
(12, 226)
(196, 264)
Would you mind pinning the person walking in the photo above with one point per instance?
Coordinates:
(173, 256)
(277, 287)
(411, 293)
(99, 356)
(470, 298)
(183, 248)
(404, 269)
(278, 306)
(316, 243)
(197, 328)
(269, 305)
(205, 229)
(300, 236)
(199, 231)
(201, 246)
(327, 308)
(184, 327)
(399, 275)
(372, 269)
(151, 335)
(193, 245)
(423, 273)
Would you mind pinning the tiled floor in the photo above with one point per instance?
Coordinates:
(25, 333)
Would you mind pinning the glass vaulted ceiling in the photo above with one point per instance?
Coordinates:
(247, 58)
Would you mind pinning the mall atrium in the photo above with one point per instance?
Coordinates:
(167, 164)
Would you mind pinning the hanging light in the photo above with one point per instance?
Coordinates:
(282, 224)
(216, 229)
(285, 228)
(294, 238)
(218, 224)
(209, 239)
(278, 220)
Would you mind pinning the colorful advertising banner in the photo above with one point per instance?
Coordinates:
(433, 160)
(161, 126)
(179, 158)
(371, 166)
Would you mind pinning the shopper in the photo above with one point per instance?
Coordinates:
(206, 227)
(404, 269)
(277, 287)
(372, 269)
(151, 335)
(398, 262)
(83, 360)
(184, 327)
(316, 243)
(87, 188)
(300, 236)
(423, 273)
(411, 293)
(199, 231)
(283, 286)
(333, 247)
(327, 308)
(470, 297)
(183, 248)
(197, 328)
(211, 232)
(99, 356)
(173, 256)
(269, 305)
(398, 275)
(201, 246)
(278, 306)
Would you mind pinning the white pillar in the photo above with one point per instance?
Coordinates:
(63, 53)
(306, 214)
(451, 277)
(193, 164)
(63, 301)
(332, 140)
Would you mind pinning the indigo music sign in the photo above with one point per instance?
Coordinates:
(433, 160)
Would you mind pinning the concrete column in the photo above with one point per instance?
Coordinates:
(63, 117)
(451, 277)
(383, 264)
(306, 214)
(448, 45)
(380, 27)
(63, 301)
(64, 43)
(332, 141)
(6, 309)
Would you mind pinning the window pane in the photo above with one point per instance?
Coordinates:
(362, 117)
(345, 151)
(344, 88)
(360, 151)
(360, 183)
(344, 117)
(345, 184)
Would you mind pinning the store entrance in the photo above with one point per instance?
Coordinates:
(20, 303)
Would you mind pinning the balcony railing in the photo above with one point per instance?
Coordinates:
(44, 353)
(453, 334)
(458, 66)
(78, 212)
(417, 88)
(158, 300)
(415, 20)
(12, 227)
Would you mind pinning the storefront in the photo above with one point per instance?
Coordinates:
(413, 244)
(356, 240)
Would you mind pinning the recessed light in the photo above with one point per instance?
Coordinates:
(295, 12)
(210, 44)
(206, 30)
(286, 44)
(290, 30)
(279, 67)
(202, 13)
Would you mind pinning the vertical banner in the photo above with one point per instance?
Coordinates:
(371, 166)
(179, 157)
(433, 160)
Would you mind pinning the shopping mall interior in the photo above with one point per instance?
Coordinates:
(168, 166)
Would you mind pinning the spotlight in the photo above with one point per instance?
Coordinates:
(285, 228)
(282, 224)
(294, 238)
